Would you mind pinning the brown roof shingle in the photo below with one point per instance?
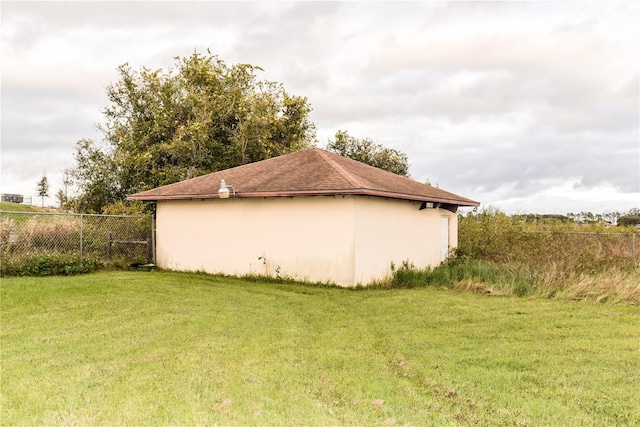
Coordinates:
(312, 172)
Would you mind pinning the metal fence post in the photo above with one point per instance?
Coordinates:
(109, 245)
(81, 240)
(153, 238)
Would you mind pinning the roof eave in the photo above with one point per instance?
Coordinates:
(354, 192)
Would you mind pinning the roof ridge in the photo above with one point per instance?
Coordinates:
(343, 173)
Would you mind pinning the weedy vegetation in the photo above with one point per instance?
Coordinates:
(499, 254)
(164, 348)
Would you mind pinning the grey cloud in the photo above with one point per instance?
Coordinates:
(534, 161)
(45, 119)
(503, 84)
(299, 28)
(55, 16)
(486, 97)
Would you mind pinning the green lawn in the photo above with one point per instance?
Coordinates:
(157, 348)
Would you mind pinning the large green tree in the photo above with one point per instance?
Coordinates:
(199, 117)
(365, 150)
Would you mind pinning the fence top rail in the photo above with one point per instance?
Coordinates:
(71, 214)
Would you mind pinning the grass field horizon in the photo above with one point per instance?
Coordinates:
(149, 348)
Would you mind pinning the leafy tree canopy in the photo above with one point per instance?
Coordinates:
(200, 117)
(629, 220)
(367, 151)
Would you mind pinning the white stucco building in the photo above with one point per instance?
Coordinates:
(310, 215)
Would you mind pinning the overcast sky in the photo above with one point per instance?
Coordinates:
(523, 106)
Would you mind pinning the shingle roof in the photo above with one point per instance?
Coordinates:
(312, 172)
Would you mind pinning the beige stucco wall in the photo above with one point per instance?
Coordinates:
(392, 231)
(309, 238)
(343, 239)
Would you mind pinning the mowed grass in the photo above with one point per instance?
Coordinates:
(158, 348)
(18, 207)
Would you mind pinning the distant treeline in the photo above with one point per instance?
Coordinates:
(630, 218)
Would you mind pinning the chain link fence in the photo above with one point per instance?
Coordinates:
(25, 236)
(580, 250)
(585, 250)
(598, 243)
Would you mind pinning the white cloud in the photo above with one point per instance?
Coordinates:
(561, 198)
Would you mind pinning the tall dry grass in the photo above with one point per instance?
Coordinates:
(562, 260)
(616, 287)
